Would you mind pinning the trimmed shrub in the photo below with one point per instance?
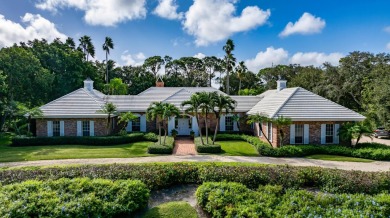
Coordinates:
(164, 175)
(167, 148)
(235, 200)
(69, 140)
(150, 136)
(80, 197)
(206, 148)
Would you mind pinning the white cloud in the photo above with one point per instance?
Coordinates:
(388, 46)
(100, 12)
(168, 9)
(267, 58)
(307, 24)
(133, 59)
(200, 55)
(387, 29)
(272, 56)
(35, 27)
(214, 20)
(315, 58)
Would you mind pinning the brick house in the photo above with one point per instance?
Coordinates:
(315, 119)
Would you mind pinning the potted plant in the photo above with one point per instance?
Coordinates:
(192, 134)
(174, 133)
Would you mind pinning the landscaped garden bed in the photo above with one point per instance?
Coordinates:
(161, 148)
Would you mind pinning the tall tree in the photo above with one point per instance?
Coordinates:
(240, 70)
(107, 45)
(259, 119)
(169, 111)
(205, 107)
(87, 47)
(193, 106)
(155, 111)
(280, 123)
(212, 65)
(110, 109)
(115, 87)
(221, 103)
(153, 65)
(229, 61)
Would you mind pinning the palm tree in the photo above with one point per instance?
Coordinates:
(205, 107)
(259, 118)
(236, 118)
(241, 69)
(194, 106)
(280, 123)
(108, 44)
(126, 118)
(155, 112)
(87, 46)
(229, 61)
(221, 103)
(29, 113)
(110, 109)
(349, 131)
(169, 111)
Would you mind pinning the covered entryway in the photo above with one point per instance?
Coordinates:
(183, 126)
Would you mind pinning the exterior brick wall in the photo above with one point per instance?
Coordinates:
(314, 132)
(70, 126)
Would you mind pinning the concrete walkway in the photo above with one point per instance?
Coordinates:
(184, 147)
(375, 166)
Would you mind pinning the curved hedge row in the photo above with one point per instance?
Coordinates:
(236, 200)
(74, 140)
(157, 176)
(206, 148)
(167, 148)
(373, 151)
(80, 197)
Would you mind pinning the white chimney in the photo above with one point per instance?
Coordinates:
(88, 84)
(282, 84)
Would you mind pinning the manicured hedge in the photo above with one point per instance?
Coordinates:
(374, 151)
(236, 200)
(206, 148)
(80, 197)
(167, 148)
(157, 176)
(70, 140)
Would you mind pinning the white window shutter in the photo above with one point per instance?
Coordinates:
(323, 132)
(259, 133)
(79, 128)
(91, 128)
(235, 125)
(306, 134)
(222, 120)
(62, 128)
(336, 138)
(270, 137)
(129, 126)
(194, 126)
(171, 125)
(142, 121)
(49, 128)
(292, 134)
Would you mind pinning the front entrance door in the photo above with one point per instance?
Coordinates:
(183, 126)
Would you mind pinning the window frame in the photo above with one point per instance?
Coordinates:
(299, 138)
(329, 128)
(56, 128)
(85, 128)
(136, 125)
(229, 128)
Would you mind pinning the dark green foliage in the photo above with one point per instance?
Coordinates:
(164, 175)
(79, 197)
(162, 149)
(207, 148)
(70, 140)
(235, 200)
(150, 136)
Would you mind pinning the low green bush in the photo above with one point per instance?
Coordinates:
(224, 199)
(80, 197)
(166, 148)
(74, 140)
(150, 136)
(161, 175)
(206, 148)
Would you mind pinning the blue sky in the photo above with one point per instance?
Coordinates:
(265, 32)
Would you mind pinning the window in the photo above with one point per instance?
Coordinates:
(56, 128)
(329, 133)
(229, 124)
(85, 128)
(136, 124)
(298, 133)
(269, 130)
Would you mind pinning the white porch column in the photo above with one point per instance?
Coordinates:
(195, 126)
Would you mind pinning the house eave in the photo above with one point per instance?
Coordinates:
(69, 116)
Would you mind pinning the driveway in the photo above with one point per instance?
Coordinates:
(375, 166)
(385, 141)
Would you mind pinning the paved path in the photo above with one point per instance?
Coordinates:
(184, 147)
(373, 166)
(385, 141)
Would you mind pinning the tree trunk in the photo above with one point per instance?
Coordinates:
(358, 139)
(106, 68)
(216, 130)
(159, 132)
(227, 82)
(261, 129)
(165, 134)
(207, 129)
(281, 137)
(199, 130)
(239, 87)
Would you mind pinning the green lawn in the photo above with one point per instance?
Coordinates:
(338, 158)
(174, 209)
(10, 154)
(237, 148)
